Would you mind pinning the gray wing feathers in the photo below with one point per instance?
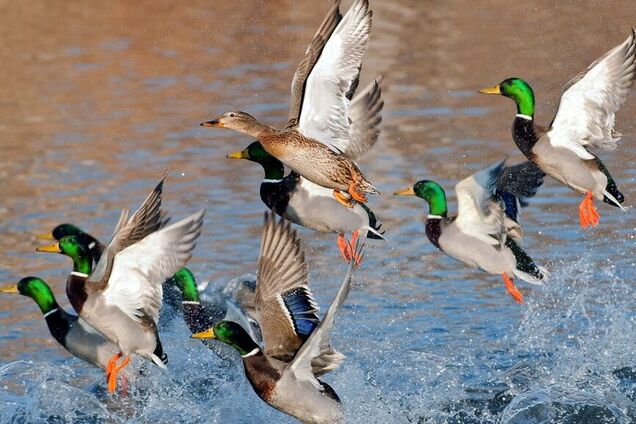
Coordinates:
(318, 345)
(365, 114)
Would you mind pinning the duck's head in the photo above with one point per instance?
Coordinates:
(74, 248)
(516, 89)
(62, 230)
(229, 333)
(430, 191)
(274, 169)
(237, 121)
(36, 289)
(186, 283)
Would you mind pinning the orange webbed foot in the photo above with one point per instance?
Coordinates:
(347, 248)
(112, 377)
(588, 215)
(111, 364)
(341, 198)
(512, 290)
(356, 194)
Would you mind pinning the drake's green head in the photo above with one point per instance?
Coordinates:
(62, 230)
(184, 280)
(430, 191)
(255, 152)
(229, 333)
(36, 289)
(516, 89)
(75, 249)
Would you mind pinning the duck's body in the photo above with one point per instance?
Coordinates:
(485, 233)
(585, 119)
(304, 203)
(317, 141)
(70, 331)
(297, 348)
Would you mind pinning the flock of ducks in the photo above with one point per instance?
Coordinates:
(117, 289)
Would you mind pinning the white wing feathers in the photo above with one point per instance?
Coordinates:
(365, 114)
(318, 343)
(140, 269)
(477, 214)
(324, 114)
(586, 113)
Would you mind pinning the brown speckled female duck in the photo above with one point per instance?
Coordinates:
(319, 142)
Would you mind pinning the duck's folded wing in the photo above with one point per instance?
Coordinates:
(478, 215)
(319, 343)
(586, 113)
(146, 220)
(285, 306)
(330, 84)
(306, 65)
(139, 270)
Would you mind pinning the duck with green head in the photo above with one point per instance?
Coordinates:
(297, 348)
(485, 233)
(70, 331)
(304, 203)
(584, 119)
(326, 130)
(94, 246)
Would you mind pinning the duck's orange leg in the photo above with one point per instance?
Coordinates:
(341, 198)
(112, 378)
(512, 290)
(111, 364)
(588, 215)
(347, 247)
(355, 194)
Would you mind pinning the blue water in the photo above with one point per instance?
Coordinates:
(108, 98)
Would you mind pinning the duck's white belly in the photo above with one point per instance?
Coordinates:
(315, 207)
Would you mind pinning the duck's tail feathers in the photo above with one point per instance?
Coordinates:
(526, 269)
(160, 362)
(368, 188)
(374, 229)
(613, 197)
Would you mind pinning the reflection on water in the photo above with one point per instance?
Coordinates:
(100, 98)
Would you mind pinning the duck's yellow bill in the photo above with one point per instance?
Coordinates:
(46, 236)
(52, 248)
(9, 289)
(491, 90)
(406, 192)
(239, 155)
(207, 334)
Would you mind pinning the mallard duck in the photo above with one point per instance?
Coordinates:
(125, 308)
(584, 119)
(297, 344)
(304, 203)
(72, 332)
(320, 142)
(95, 247)
(485, 233)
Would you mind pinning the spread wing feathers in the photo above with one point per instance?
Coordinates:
(586, 114)
(324, 112)
(365, 113)
(318, 345)
(312, 54)
(285, 306)
(139, 270)
(148, 219)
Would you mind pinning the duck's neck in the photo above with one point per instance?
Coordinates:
(257, 130)
(82, 263)
(524, 135)
(274, 169)
(525, 104)
(60, 323)
(437, 204)
(76, 290)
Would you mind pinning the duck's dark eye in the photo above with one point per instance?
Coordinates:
(231, 115)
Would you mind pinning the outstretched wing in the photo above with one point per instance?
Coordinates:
(330, 84)
(306, 65)
(365, 113)
(319, 343)
(148, 219)
(284, 303)
(586, 114)
(140, 269)
(489, 200)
